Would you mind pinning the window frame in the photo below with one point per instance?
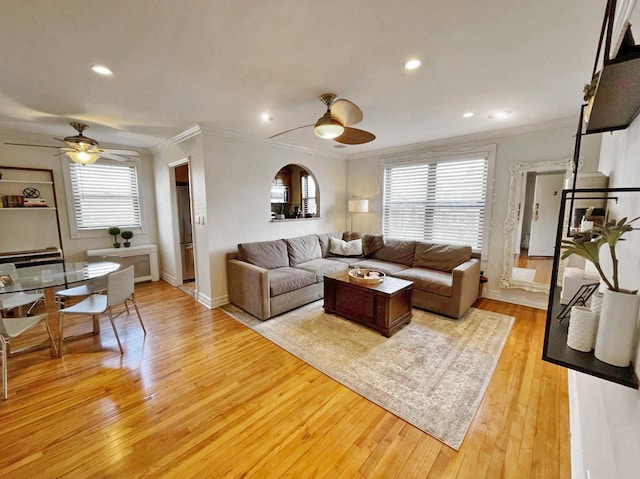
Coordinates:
(304, 199)
(487, 152)
(75, 233)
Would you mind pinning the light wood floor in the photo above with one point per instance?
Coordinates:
(204, 396)
(542, 264)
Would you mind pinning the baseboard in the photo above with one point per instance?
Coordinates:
(169, 278)
(220, 301)
(575, 429)
(498, 295)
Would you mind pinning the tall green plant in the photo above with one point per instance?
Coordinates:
(589, 248)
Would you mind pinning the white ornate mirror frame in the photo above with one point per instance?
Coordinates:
(518, 173)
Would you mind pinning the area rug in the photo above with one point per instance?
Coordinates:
(432, 373)
(523, 274)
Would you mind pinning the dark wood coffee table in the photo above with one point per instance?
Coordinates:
(385, 307)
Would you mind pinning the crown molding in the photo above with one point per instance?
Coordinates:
(180, 137)
(491, 136)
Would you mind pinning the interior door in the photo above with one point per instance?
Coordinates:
(544, 222)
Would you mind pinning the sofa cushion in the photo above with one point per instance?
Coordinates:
(396, 251)
(371, 244)
(443, 257)
(386, 267)
(323, 238)
(430, 280)
(320, 267)
(303, 249)
(283, 280)
(266, 254)
(339, 247)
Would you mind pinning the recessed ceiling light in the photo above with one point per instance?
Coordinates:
(468, 114)
(101, 70)
(500, 115)
(412, 64)
(266, 117)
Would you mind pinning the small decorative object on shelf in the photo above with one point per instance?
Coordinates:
(366, 276)
(582, 325)
(126, 236)
(619, 314)
(115, 231)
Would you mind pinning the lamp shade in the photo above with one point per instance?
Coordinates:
(328, 128)
(83, 157)
(358, 206)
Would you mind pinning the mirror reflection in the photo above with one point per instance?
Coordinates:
(531, 223)
(294, 194)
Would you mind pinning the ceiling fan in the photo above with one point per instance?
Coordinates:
(336, 123)
(83, 149)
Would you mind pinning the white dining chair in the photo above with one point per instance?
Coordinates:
(120, 288)
(11, 328)
(20, 299)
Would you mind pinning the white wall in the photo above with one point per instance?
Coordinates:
(545, 142)
(233, 176)
(605, 415)
(33, 157)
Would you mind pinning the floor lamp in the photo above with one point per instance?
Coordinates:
(358, 205)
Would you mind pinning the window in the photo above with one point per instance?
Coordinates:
(104, 194)
(309, 205)
(438, 200)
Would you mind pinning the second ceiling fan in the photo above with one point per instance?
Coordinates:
(336, 123)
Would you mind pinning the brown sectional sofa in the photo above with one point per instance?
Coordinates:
(268, 278)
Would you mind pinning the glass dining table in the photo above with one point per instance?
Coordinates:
(50, 278)
(57, 275)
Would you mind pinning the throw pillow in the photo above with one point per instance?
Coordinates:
(371, 244)
(339, 247)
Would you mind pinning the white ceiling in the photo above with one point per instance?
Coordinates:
(224, 63)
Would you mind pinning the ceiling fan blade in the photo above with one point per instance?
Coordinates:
(292, 129)
(353, 136)
(26, 144)
(113, 151)
(346, 112)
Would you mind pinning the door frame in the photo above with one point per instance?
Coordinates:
(177, 253)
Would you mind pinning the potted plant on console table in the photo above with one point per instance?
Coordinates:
(619, 314)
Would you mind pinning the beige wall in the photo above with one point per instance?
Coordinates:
(231, 179)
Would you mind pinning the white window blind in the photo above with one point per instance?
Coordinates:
(105, 195)
(439, 201)
(309, 204)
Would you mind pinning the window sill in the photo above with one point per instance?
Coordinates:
(315, 218)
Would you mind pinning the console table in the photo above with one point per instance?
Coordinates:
(143, 257)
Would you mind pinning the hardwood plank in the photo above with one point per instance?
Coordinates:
(203, 396)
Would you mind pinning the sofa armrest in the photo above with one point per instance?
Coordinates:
(248, 287)
(465, 282)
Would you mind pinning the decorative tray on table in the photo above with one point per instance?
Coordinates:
(366, 276)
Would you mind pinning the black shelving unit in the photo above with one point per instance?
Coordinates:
(617, 98)
(555, 349)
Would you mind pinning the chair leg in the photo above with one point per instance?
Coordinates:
(5, 387)
(54, 349)
(60, 333)
(135, 305)
(115, 331)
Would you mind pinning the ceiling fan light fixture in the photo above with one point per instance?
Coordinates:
(83, 157)
(328, 128)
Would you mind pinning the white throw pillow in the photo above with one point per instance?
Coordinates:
(339, 247)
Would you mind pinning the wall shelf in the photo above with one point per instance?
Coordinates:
(555, 349)
(617, 98)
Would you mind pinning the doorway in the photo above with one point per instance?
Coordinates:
(183, 229)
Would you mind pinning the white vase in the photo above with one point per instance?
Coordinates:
(582, 324)
(616, 331)
(596, 307)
